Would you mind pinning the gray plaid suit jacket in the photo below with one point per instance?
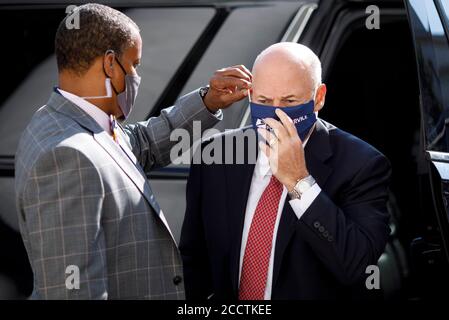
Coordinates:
(82, 201)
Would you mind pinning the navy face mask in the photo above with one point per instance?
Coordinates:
(302, 115)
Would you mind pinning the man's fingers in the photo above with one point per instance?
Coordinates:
(234, 72)
(221, 83)
(265, 148)
(244, 69)
(267, 135)
(279, 129)
(238, 95)
(228, 85)
(287, 122)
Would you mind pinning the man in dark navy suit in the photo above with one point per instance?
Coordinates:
(303, 215)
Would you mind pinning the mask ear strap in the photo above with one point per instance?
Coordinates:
(110, 51)
(109, 84)
(120, 65)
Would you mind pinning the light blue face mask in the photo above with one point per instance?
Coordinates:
(302, 115)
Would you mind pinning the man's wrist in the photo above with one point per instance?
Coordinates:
(210, 106)
(301, 187)
(204, 94)
(290, 185)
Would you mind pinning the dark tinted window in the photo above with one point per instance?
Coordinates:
(167, 33)
(432, 50)
(445, 6)
(245, 33)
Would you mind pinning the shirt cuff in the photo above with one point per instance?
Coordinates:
(300, 206)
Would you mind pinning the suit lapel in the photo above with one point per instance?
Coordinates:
(125, 146)
(317, 151)
(132, 171)
(238, 180)
(123, 159)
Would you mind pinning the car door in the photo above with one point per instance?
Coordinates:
(430, 28)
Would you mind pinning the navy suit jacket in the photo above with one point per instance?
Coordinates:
(322, 255)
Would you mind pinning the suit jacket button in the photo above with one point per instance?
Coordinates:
(316, 224)
(321, 229)
(325, 234)
(177, 280)
(330, 239)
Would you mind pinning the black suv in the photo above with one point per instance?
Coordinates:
(387, 85)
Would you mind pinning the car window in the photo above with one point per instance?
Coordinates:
(445, 7)
(238, 42)
(245, 33)
(167, 34)
(432, 49)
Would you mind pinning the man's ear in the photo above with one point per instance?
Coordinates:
(108, 63)
(320, 97)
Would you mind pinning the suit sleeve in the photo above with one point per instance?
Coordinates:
(351, 235)
(150, 140)
(61, 206)
(198, 284)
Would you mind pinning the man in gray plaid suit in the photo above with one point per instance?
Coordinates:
(89, 220)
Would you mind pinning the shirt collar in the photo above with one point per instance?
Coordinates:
(92, 110)
(262, 168)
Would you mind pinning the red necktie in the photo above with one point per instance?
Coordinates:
(254, 273)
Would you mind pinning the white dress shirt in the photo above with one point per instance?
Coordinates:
(261, 177)
(101, 117)
(92, 110)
